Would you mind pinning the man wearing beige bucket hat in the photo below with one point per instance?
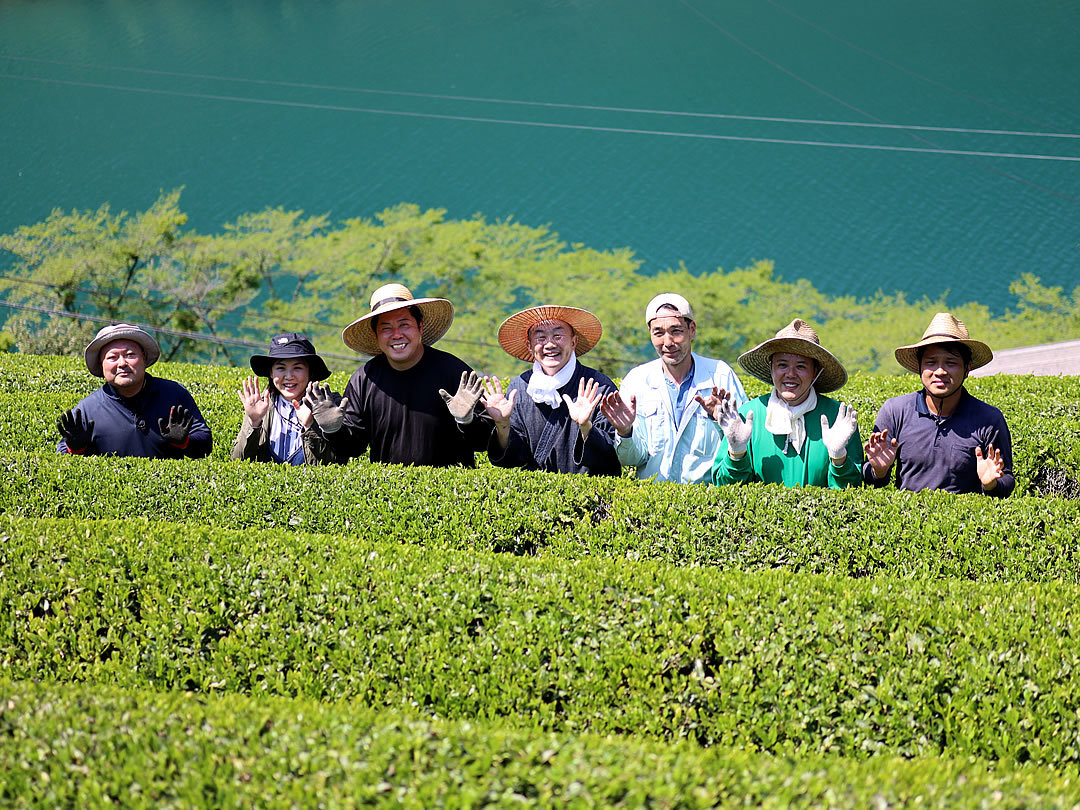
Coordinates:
(133, 413)
(942, 437)
(548, 419)
(397, 404)
(793, 435)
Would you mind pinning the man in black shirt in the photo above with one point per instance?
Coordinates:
(397, 404)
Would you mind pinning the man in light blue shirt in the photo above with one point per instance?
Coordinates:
(661, 426)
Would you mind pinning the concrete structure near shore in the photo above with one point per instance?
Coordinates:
(1046, 359)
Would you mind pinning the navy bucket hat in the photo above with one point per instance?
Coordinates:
(290, 346)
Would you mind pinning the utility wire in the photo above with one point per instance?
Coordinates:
(872, 117)
(560, 105)
(553, 125)
(913, 73)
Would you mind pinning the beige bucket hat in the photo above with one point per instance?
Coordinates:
(438, 314)
(798, 337)
(119, 331)
(514, 332)
(944, 328)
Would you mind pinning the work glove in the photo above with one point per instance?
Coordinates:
(328, 410)
(461, 404)
(76, 431)
(837, 436)
(176, 429)
(735, 429)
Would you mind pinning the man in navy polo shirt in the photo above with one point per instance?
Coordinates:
(942, 437)
(133, 413)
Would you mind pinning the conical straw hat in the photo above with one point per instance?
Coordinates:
(798, 337)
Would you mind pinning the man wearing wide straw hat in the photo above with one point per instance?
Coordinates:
(942, 437)
(793, 435)
(133, 413)
(660, 414)
(397, 403)
(548, 419)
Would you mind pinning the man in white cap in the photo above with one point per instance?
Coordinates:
(548, 419)
(942, 437)
(133, 413)
(397, 404)
(662, 425)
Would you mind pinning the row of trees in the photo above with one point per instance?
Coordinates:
(278, 270)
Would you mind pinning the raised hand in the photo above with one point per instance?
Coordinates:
(175, 430)
(835, 438)
(256, 403)
(461, 404)
(989, 468)
(303, 413)
(581, 409)
(619, 412)
(76, 430)
(711, 404)
(498, 406)
(328, 413)
(881, 453)
(736, 431)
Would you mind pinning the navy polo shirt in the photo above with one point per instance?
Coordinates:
(938, 453)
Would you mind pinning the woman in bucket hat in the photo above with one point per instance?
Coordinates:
(942, 437)
(549, 418)
(793, 435)
(278, 425)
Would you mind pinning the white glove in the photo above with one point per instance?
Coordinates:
(837, 436)
(735, 429)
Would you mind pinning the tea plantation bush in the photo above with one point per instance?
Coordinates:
(214, 633)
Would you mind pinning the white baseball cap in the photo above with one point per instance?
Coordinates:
(680, 304)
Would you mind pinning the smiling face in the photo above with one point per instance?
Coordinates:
(942, 371)
(552, 343)
(398, 336)
(290, 378)
(671, 336)
(123, 365)
(793, 376)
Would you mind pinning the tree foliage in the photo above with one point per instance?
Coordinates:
(278, 270)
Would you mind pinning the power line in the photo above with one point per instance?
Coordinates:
(549, 124)
(557, 105)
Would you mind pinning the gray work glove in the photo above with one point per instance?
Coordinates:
(328, 410)
(836, 437)
(461, 404)
(76, 430)
(176, 429)
(735, 429)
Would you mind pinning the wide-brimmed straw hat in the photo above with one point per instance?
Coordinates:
(290, 346)
(944, 328)
(119, 331)
(798, 337)
(438, 314)
(514, 332)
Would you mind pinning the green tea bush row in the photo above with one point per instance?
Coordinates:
(852, 533)
(1043, 412)
(74, 746)
(783, 663)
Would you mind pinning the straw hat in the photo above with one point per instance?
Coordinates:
(119, 331)
(514, 332)
(290, 346)
(798, 337)
(438, 314)
(944, 328)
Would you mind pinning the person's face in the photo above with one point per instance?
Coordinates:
(793, 376)
(397, 335)
(671, 336)
(552, 343)
(123, 364)
(290, 378)
(942, 371)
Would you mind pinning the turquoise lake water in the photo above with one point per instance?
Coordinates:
(642, 128)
